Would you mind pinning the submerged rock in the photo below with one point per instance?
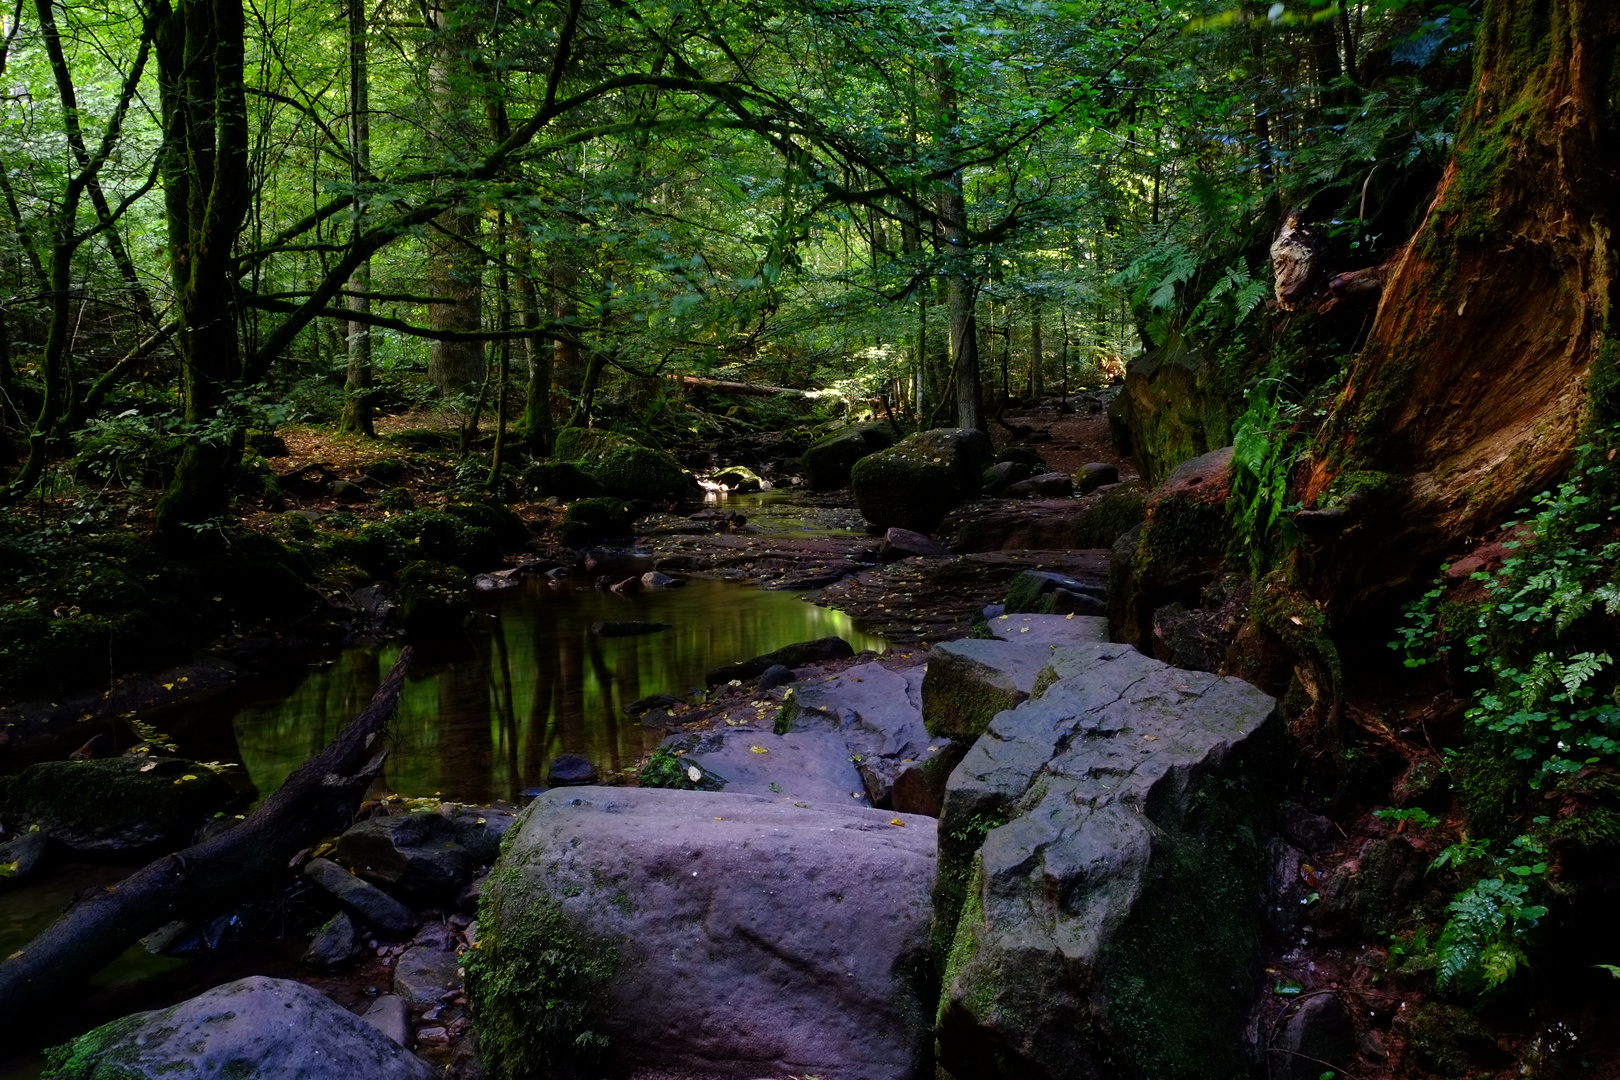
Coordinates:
(129, 805)
(708, 933)
(271, 1029)
(1102, 870)
(796, 655)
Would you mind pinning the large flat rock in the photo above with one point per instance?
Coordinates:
(708, 933)
(1032, 629)
(1109, 921)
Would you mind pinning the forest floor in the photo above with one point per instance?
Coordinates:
(1367, 906)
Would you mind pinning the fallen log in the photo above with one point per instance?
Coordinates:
(726, 386)
(319, 799)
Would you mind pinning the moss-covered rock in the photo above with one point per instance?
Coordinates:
(589, 521)
(738, 478)
(1101, 862)
(1115, 512)
(969, 682)
(623, 467)
(561, 479)
(434, 597)
(827, 462)
(131, 805)
(382, 548)
(1176, 407)
(915, 483)
(252, 1029)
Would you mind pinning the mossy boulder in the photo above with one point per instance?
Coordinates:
(827, 463)
(1114, 512)
(125, 806)
(434, 597)
(470, 537)
(968, 682)
(915, 483)
(1102, 859)
(590, 521)
(1175, 406)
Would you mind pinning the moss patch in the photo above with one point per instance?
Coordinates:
(535, 983)
(917, 482)
(1114, 514)
(1181, 974)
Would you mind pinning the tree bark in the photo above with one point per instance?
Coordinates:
(205, 179)
(959, 264)
(1473, 386)
(317, 800)
(357, 382)
(1037, 378)
(456, 263)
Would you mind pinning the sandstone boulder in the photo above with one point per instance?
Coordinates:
(1102, 873)
(916, 482)
(270, 1029)
(707, 934)
(827, 463)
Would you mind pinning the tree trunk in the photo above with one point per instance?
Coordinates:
(456, 264)
(567, 368)
(205, 182)
(1037, 378)
(1473, 386)
(317, 800)
(959, 272)
(357, 384)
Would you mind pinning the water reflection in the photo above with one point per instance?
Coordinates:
(483, 715)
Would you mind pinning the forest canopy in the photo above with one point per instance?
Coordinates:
(217, 209)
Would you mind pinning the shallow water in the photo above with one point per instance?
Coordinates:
(484, 712)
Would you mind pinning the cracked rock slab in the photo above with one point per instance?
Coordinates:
(968, 682)
(1102, 874)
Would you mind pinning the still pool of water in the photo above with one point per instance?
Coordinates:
(485, 712)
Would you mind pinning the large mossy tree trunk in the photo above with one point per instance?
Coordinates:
(205, 180)
(1473, 387)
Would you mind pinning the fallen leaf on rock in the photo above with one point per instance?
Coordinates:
(759, 749)
(897, 821)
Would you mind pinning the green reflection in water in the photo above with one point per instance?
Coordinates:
(481, 718)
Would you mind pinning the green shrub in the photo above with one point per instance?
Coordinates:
(389, 470)
(396, 499)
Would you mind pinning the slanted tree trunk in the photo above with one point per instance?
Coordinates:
(567, 366)
(317, 800)
(1473, 387)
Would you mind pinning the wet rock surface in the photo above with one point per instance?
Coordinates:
(415, 856)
